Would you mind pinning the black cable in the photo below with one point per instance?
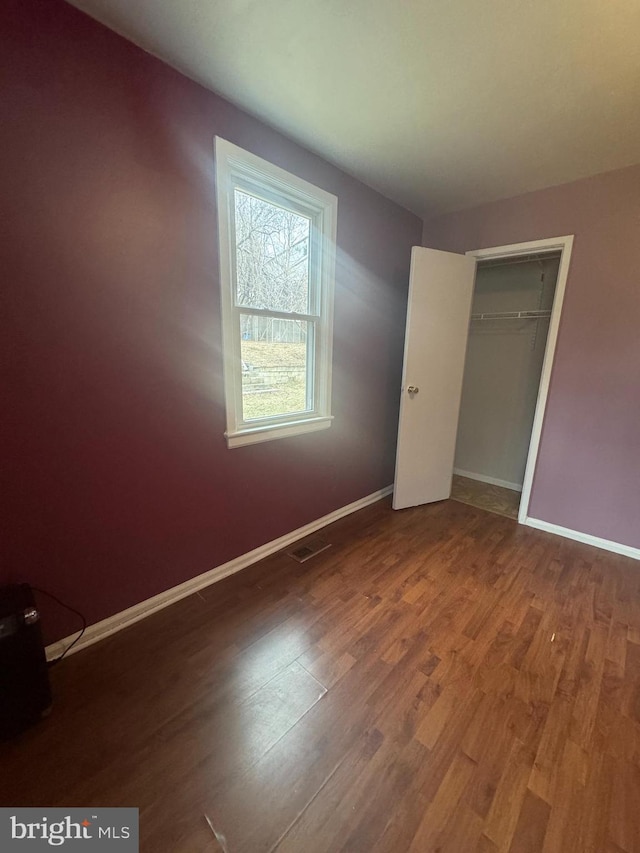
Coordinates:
(73, 610)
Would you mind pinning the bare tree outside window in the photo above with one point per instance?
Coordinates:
(272, 274)
(272, 256)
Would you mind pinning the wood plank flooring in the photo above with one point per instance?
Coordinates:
(440, 679)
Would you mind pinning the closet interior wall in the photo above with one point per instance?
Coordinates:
(503, 368)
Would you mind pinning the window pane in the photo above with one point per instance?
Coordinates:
(272, 255)
(275, 358)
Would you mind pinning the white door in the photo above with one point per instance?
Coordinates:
(440, 292)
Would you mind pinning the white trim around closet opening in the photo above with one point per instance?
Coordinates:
(548, 245)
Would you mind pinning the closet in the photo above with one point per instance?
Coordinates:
(510, 315)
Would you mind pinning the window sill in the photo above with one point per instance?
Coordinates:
(253, 435)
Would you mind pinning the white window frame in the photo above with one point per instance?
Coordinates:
(237, 168)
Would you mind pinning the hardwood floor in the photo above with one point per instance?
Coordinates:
(440, 679)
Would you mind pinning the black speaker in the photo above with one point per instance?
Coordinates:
(25, 694)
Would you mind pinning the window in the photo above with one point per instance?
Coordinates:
(277, 266)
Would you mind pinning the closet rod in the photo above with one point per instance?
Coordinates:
(518, 259)
(512, 315)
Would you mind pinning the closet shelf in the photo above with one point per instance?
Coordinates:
(512, 315)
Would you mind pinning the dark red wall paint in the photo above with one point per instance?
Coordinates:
(118, 483)
(588, 472)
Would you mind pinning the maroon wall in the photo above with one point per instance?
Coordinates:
(588, 472)
(118, 482)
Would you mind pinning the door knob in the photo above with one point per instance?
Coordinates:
(412, 389)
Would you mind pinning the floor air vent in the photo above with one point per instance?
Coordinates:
(306, 550)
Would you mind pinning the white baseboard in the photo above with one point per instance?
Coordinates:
(483, 478)
(586, 538)
(118, 621)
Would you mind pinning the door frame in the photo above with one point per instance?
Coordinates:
(547, 245)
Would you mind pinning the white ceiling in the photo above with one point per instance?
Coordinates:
(439, 104)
